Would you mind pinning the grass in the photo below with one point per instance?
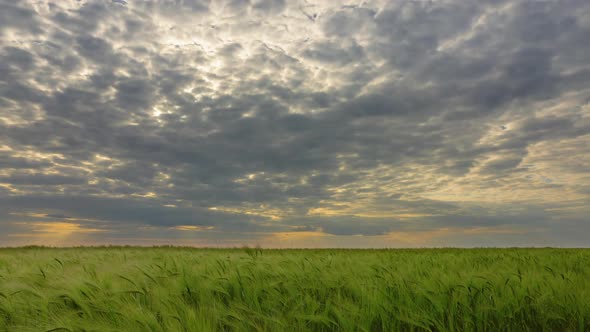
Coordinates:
(183, 289)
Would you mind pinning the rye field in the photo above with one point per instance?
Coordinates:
(187, 289)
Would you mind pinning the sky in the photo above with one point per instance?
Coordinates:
(303, 123)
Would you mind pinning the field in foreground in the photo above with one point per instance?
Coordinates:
(182, 289)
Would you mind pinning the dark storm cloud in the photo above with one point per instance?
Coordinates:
(269, 6)
(129, 211)
(349, 225)
(7, 162)
(504, 164)
(95, 49)
(13, 15)
(331, 53)
(347, 120)
(41, 179)
(18, 58)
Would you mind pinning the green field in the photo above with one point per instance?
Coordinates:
(183, 289)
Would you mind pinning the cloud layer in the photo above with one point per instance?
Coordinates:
(295, 123)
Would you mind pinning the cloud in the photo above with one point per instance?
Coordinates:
(18, 17)
(243, 121)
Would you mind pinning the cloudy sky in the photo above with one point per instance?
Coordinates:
(303, 123)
